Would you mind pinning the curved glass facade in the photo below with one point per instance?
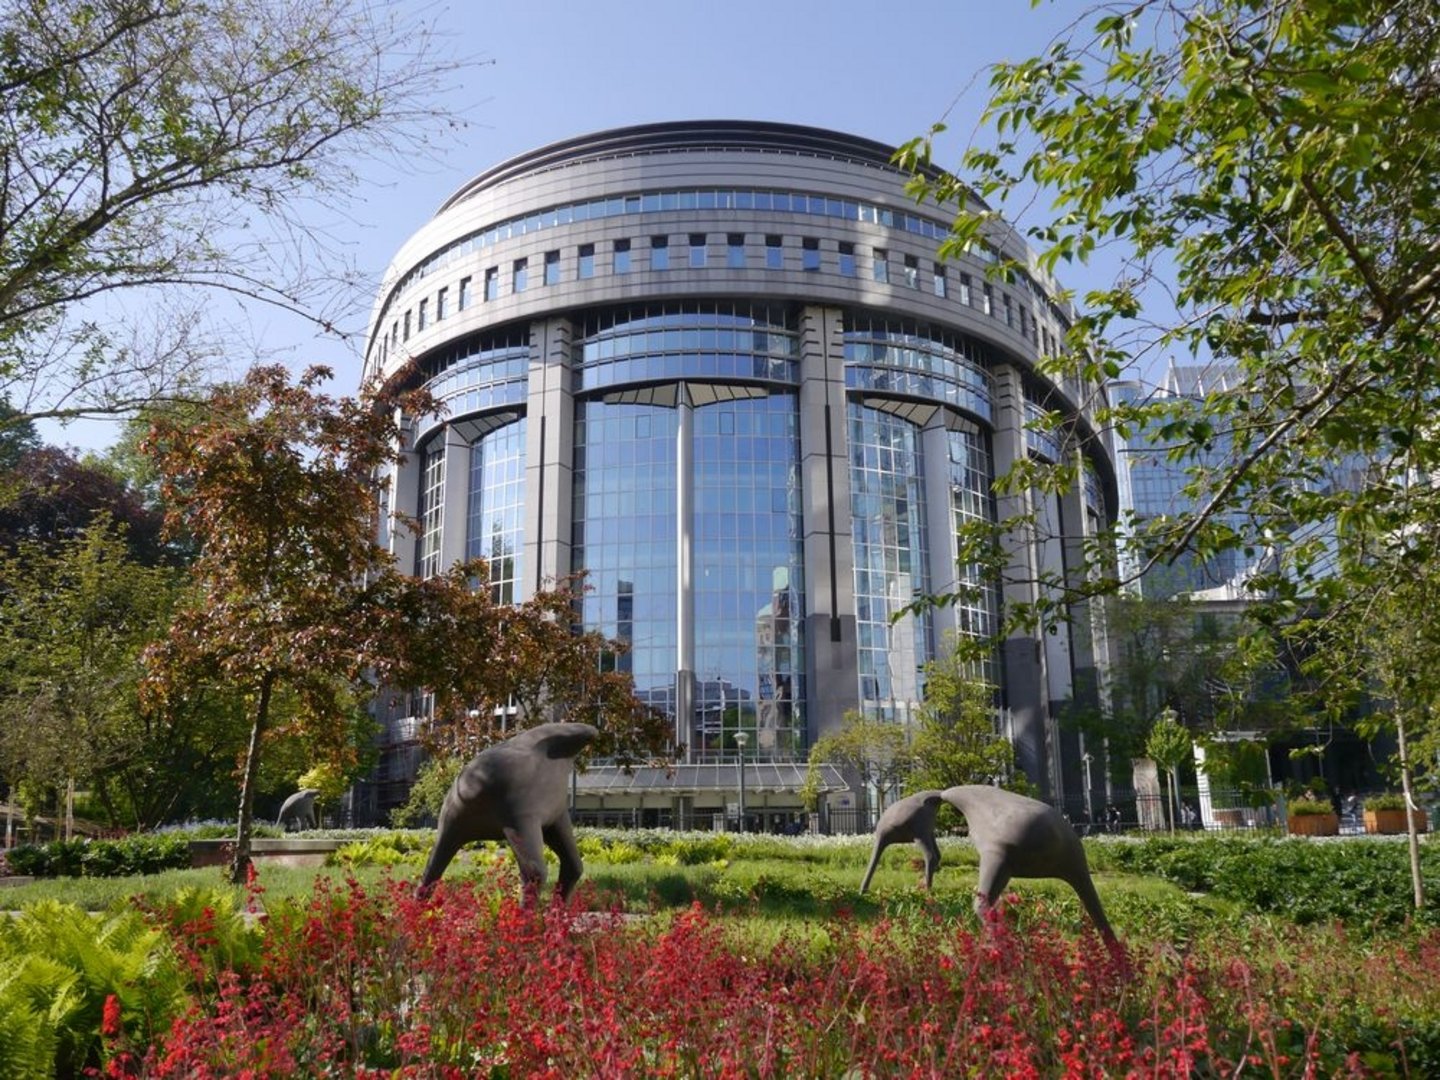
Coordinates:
(496, 529)
(887, 514)
(903, 359)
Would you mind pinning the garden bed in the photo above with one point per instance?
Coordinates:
(277, 852)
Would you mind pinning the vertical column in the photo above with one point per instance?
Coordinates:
(684, 577)
(830, 646)
(455, 520)
(405, 500)
(549, 456)
(1025, 683)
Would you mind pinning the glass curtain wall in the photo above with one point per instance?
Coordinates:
(748, 578)
(888, 526)
(495, 531)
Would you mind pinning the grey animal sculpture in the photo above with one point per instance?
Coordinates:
(1020, 837)
(298, 811)
(911, 818)
(515, 791)
(1016, 837)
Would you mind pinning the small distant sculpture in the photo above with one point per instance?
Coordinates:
(1016, 836)
(515, 791)
(910, 818)
(1020, 837)
(298, 811)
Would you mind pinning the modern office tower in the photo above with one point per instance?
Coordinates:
(719, 367)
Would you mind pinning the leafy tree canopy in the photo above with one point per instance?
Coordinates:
(957, 740)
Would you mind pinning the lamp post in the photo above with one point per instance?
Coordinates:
(741, 738)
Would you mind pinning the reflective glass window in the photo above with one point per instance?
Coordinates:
(552, 268)
(847, 259)
(965, 289)
(735, 251)
(442, 302)
(659, 253)
(987, 300)
(406, 332)
(697, 250)
(496, 526)
(492, 283)
(774, 252)
(432, 508)
(422, 314)
(940, 283)
(463, 301)
(622, 257)
(585, 267)
(810, 253)
(520, 275)
(882, 265)
(888, 527)
(912, 271)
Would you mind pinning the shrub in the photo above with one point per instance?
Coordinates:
(143, 853)
(1307, 807)
(1389, 800)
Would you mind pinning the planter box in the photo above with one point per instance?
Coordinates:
(278, 852)
(1393, 821)
(1313, 824)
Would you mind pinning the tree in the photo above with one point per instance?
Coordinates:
(151, 147)
(876, 752)
(74, 618)
(1169, 745)
(1263, 173)
(294, 595)
(957, 741)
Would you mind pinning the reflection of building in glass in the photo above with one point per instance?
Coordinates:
(717, 367)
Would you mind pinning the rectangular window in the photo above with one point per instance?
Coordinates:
(965, 289)
(442, 304)
(405, 333)
(809, 253)
(697, 250)
(463, 300)
(659, 253)
(882, 265)
(394, 332)
(552, 268)
(520, 275)
(492, 283)
(847, 259)
(774, 253)
(735, 251)
(586, 266)
(621, 262)
(941, 287)
(912, 271)
(423, 315)
(987, 302)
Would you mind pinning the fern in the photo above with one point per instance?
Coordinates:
(27, 1038)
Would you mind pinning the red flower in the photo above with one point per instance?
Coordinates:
(110, 1017)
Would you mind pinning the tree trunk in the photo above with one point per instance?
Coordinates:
(240, 862)
(1415, 877)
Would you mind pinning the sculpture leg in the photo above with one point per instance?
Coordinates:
(1085, 889)
(530, 855)
(881, 843)
(932, 857)
(560, 839)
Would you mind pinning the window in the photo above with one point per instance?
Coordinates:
(847, 259)
(405, 333)
(697, 249)
(987, 302)
(965, 289)
(912, 271)
(735, 251)
(810, 253)
(882, 265)
(659, 253)
(1009, 309)
(442, 302)
(520, 275)
(941, 287)
(774, 253)
(463, 301)
(423, 315)
(586, 265)
(552, 268)
(492, 283)
(394, 332)
(620, 263)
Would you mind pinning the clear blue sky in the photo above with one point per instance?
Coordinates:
(558, 68)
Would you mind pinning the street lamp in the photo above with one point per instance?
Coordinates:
(741, 738)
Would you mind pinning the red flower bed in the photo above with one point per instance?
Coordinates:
(467, 983)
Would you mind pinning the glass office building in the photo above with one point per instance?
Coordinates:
(718, 367)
